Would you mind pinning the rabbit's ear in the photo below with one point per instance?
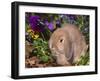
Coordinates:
(70, 54)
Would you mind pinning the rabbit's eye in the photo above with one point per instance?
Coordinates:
(61, 40)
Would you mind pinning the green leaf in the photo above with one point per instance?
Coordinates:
(44, 58)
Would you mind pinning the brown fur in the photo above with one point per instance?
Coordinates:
(67, 44)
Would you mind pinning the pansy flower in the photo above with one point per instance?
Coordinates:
(50, 25)
(36, 24)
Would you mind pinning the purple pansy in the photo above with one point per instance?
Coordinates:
(71, 17)
(58, 23)
(49, 25)
(35, 23)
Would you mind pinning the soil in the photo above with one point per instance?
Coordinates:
(33, 62)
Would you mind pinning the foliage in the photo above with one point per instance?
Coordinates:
(41, 50)
(84, 60)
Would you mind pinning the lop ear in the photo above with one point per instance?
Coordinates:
(84, 50)
(70, 52)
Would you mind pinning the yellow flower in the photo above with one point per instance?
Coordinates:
(33, 34)
(29, 30)
(36, 36)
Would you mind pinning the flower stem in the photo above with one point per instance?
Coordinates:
(42, 36)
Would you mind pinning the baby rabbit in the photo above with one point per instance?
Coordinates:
(67, 44)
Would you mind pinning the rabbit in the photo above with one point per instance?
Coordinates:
(67, 44)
